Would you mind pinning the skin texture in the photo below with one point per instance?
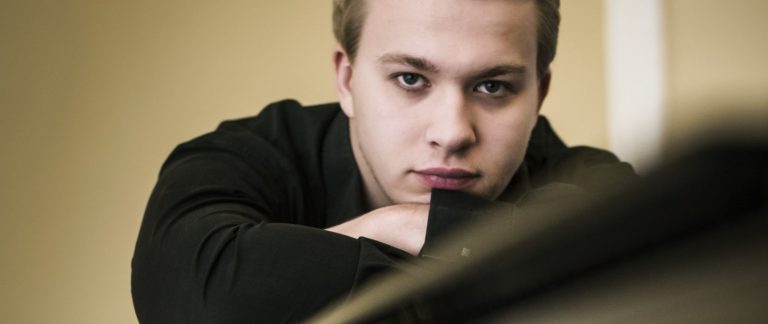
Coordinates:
(442, 93)
(403, 226)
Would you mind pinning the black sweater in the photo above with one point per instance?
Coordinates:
(233, 232)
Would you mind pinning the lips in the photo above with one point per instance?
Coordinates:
(446, 178)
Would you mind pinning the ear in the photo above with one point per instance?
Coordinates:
(342, 68)
(544, 82)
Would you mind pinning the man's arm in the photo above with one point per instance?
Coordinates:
(219, 243)
(402, 226)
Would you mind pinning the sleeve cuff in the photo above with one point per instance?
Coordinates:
(449, 212)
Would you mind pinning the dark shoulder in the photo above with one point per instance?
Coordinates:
(283, 131)
(287, 123)
(550, 160)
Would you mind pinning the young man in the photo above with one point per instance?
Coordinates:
(268, 219)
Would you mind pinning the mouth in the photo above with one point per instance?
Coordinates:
(446, 178)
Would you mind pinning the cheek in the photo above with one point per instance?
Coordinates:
(507, 151)
(507, 139)
(384, 118)
(502, 157)
(385, 131)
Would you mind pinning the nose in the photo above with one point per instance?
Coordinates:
(451, 128)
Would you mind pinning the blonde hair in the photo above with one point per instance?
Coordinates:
(349, 16)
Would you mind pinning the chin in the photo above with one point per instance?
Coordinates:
(423, 198)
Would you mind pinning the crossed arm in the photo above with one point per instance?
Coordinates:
(215, 248)
(401, 226)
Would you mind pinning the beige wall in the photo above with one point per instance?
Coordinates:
(95, 94)
(577, 102)
(717, 64)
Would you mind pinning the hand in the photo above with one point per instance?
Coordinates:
(402, 226)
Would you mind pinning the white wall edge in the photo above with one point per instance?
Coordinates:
(635, 79)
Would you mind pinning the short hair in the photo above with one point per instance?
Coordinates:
(349, 16)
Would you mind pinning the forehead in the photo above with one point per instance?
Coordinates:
(451, 31)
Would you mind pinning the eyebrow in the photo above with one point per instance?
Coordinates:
(415, 62)
(423, 64)
(501, 70)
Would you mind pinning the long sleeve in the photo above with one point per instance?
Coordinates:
(228, 237)
(233, 231)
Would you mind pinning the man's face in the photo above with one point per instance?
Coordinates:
(442, 94)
